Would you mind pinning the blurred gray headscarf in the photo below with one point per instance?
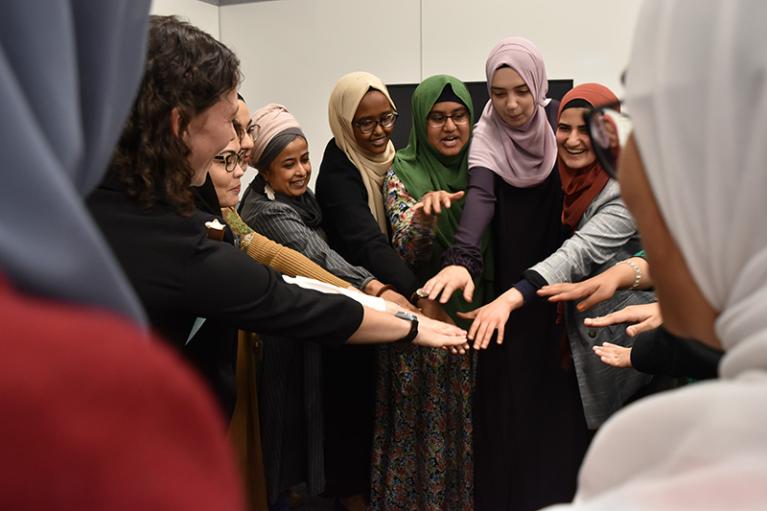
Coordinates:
(69, 71)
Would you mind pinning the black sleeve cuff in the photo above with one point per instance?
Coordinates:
(527, 289)
(468, 258)
(534, 278)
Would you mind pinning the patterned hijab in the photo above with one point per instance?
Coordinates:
(524, 156)
(581, 186)
(344, 100)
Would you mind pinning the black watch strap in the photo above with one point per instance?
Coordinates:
(411, 335)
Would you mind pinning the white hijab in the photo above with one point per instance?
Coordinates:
(69, 72)
(697, 92)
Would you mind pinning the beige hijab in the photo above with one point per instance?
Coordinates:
(344, 100)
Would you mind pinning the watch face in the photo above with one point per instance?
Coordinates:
(405, 315)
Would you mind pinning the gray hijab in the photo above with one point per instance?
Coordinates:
(69, 71)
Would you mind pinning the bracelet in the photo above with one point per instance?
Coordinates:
(383, 289)
(637, 272)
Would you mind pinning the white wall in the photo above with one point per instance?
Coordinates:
(588, 40)
(200, 14)
(293, 51)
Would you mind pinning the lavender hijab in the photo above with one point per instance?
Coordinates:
(524, 156)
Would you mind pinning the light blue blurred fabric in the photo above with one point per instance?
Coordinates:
(69, 72)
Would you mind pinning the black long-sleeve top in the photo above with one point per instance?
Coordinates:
(659, 352)
(180, 275)
(351, 229)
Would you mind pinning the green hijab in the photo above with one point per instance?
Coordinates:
(422, 169)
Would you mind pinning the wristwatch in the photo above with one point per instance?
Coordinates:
(413, 326)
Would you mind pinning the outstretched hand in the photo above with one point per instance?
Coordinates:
(446, 282)
(646, 317)
(594, 290)
(392, 296)
(436, 334)
(492, 318)
(613, 355)
(434, 310)
(432, 203)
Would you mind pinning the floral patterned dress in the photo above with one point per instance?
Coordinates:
(422, 445)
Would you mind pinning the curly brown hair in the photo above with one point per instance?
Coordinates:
(185, 68)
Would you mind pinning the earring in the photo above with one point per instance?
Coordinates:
(269, 191)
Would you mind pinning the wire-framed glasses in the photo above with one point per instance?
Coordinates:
(459, 117)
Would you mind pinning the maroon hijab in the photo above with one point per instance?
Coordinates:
(96, 417)
(581, 186)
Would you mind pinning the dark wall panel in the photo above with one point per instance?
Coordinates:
(401, 94)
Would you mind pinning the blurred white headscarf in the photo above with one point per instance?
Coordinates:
(69, 71)
(697, 93)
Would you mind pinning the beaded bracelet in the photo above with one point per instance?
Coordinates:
(637, 272)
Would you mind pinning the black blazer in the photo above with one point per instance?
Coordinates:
(351, 229)
(179, 275)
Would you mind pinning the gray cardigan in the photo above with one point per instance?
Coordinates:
(606, 234)
(605, 227)
(281, 223)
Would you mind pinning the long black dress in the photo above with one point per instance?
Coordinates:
(530, 434)
(349, 375)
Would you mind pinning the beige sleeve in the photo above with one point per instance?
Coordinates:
(286, 260)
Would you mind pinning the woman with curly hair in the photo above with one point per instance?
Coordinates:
(196, 289)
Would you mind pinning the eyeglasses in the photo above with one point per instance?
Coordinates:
(608, 131)
(229, 159)
(438, 119)
(367, 126)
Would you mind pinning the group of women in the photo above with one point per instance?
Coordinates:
(402, 427)
(457, 237)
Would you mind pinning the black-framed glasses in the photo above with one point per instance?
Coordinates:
(438, 119)
(367, 126)
(608, 128)
(229, 159)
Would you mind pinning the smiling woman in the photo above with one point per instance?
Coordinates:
(279, 204)
(225, 172)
